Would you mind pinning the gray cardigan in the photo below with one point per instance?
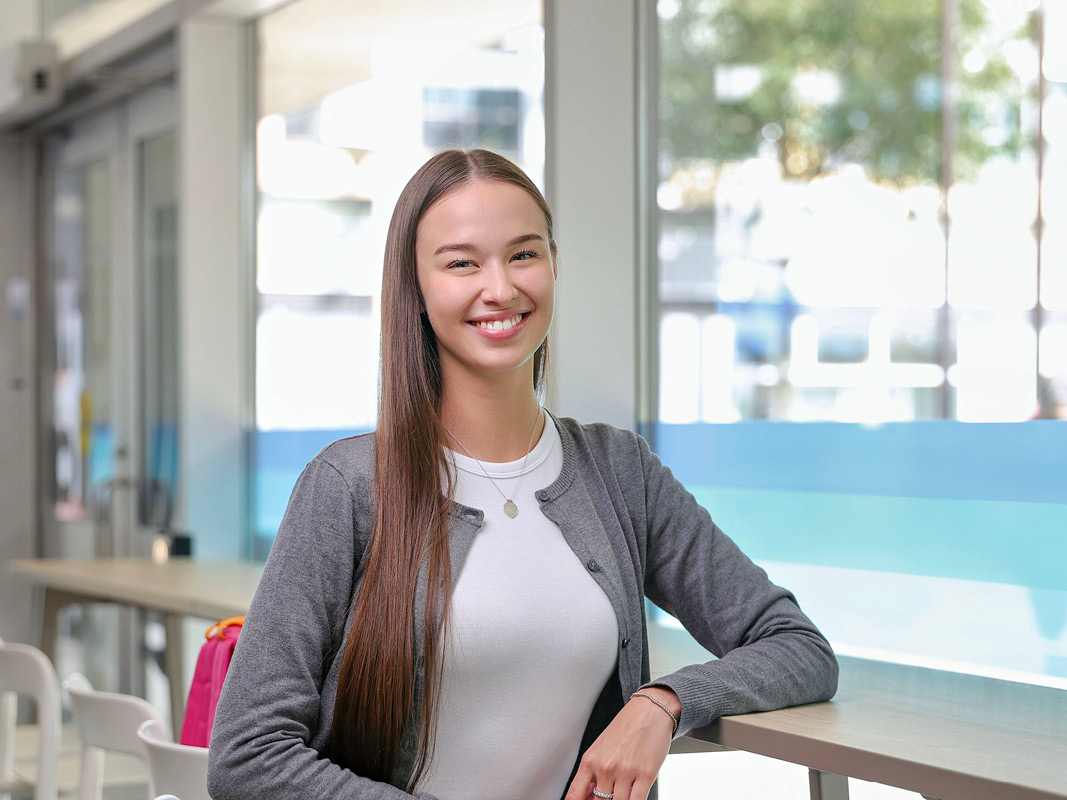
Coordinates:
(638, 531)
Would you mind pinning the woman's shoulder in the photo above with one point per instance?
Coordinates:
(351, 456)
(600, 438)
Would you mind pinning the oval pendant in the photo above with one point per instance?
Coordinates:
(511, 509)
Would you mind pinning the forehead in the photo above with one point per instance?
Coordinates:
(482, 208)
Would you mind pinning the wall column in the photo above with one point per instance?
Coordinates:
(592, 178)
(19, 491)
(216, 291)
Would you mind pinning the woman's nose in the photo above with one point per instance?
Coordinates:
(499, 287)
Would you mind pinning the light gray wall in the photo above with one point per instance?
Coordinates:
(18, 483)
(18, 480)
(19, 19)
(592, 182)
(215, 285)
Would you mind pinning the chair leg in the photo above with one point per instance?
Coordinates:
(8, 706)
(175, 674)
(91, 784)
(827, 785)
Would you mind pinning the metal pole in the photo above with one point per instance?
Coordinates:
(949, 14)
(1037, 315)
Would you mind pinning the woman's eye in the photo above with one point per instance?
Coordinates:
(460, 264)
(524, 255)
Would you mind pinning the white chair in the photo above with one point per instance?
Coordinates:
(178, 768)
(106, 721)
(27, 671)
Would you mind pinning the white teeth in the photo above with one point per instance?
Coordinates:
(500, 324)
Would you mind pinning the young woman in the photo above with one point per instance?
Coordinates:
(453, 606)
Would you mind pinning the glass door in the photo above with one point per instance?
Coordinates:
(110, 422)
(156, 386)
(81, 195)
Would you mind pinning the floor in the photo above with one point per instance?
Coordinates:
(125, 776)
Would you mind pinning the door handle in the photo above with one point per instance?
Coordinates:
(100, 507)
(102, 493)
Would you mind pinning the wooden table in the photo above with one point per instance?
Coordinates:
(179, 588)
(942, 734)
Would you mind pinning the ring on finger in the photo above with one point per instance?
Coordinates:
(605, 795)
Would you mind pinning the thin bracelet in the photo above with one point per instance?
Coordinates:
(670, 713)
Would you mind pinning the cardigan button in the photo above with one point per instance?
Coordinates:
(592, 566)
(625, 643)
(542, 495)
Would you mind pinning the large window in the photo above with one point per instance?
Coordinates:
(856, 225)
(351, 102)
(853, 202)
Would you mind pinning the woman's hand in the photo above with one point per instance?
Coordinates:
(624, 760)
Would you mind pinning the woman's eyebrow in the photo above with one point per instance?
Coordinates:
(448, 248)
(467, 247)
(527, 237)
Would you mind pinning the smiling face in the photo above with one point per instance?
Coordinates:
(487, 275)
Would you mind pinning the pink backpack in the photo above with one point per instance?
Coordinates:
(211, 666)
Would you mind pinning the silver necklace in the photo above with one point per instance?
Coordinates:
(510, 508)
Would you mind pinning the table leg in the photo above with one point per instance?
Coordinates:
(8, 709)
(174, 660)
(55, 600)
(827, 785)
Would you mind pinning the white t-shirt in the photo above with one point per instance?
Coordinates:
(531, 641)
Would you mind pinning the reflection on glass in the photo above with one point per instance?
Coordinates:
(352, 102)
(159, 327)
(807, 182)
(80, 256)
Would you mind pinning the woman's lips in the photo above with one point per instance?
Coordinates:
(501, 328)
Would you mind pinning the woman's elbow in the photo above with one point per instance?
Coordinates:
(827, 670)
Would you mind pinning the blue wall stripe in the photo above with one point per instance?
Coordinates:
(1024, 462)
(280, 457)
(997, 541)
(292, 450)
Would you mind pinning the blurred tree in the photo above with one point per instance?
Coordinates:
(825, 82)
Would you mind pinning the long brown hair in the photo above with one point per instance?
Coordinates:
(375, 692)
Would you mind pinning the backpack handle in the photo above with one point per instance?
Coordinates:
(219, 628)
